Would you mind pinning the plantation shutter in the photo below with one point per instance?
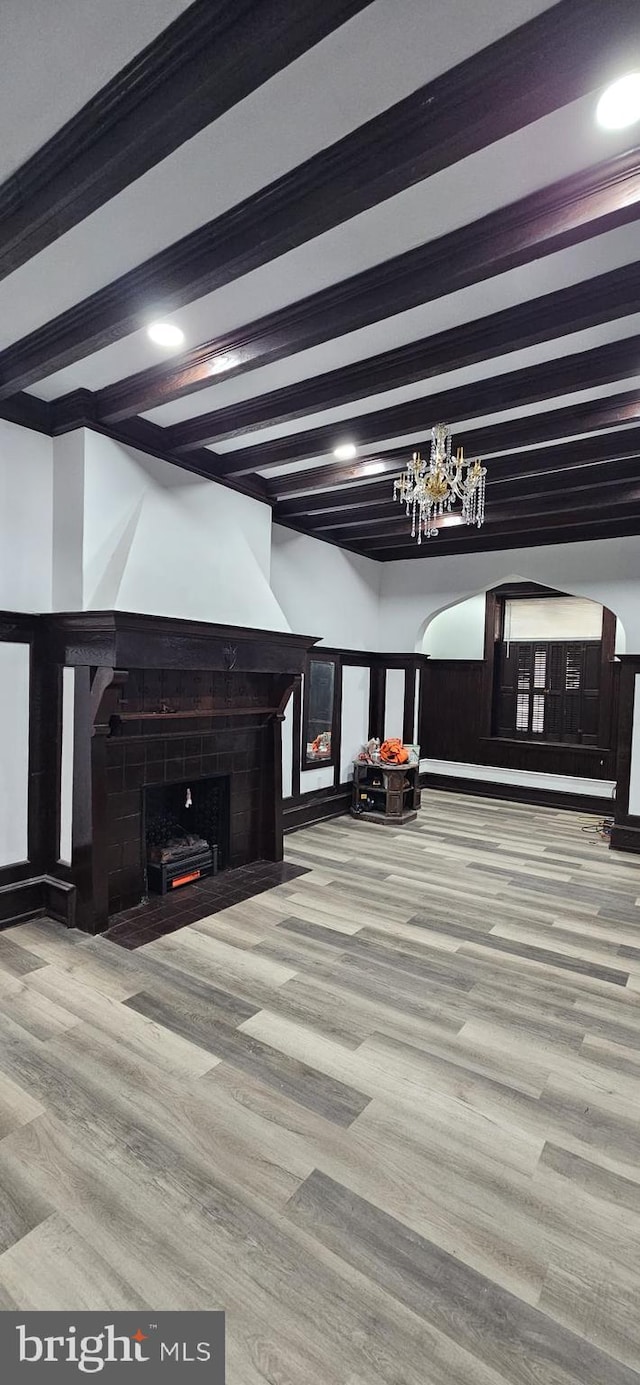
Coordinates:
(548, 690)
(509, 674)
(590, 709)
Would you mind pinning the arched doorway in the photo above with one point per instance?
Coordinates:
(520, 691)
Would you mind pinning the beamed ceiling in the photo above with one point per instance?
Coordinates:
(365, 218)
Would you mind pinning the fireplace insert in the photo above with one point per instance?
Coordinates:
(186, 831)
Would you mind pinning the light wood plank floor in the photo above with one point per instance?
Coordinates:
(385, 1115)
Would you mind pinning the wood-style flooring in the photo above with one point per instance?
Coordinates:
(386, 1115)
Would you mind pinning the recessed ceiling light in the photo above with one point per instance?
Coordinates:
(448, 520)
(373, 468)
(619, 104)
(345, 452)
(165, 334)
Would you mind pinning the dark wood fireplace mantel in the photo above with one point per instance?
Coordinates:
(158, 701)
(155, 699)
(121, 639)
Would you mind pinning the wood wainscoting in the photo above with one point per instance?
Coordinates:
(453, 725)
(301, 808)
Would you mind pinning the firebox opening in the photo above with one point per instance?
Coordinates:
(185, 831)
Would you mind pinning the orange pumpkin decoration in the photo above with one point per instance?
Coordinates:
(393, 752)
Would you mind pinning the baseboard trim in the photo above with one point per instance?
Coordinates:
(519, 793)
(625, 836)
(303, 812)
(35, 898)
(60, 900)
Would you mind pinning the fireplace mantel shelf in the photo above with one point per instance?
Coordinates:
(230, 711)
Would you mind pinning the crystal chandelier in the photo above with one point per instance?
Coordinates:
(429, 489)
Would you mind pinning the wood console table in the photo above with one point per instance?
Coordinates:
(392, 788)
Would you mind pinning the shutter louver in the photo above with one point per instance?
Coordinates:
(549, 691)
(537, 714)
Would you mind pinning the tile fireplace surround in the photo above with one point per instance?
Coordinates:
(155, 701)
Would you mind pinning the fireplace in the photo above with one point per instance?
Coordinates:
(160, 707)
(185, 829)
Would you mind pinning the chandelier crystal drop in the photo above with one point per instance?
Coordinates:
(429, 489)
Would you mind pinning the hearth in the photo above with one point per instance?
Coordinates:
(186, 831)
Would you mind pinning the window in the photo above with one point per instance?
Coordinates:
(551, 618)
(319, 712)
(548, 667)
(548, 690)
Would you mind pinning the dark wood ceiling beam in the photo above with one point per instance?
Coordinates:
(554, 424)
(566, 457)
(612, 502)
(212, 56)
(28, 411)
(574, 480)
(366, 515)
(597, 494)
(566, 213)
(601, 299)
(607, 447)
(514, 489)
(479, 541)
(548, 380)
(565, 52)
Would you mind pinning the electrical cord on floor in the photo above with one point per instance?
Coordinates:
(602, 828)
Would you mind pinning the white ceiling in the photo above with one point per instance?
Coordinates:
(56, 54)
(553, 148)
(507, 290)
(379, 57)
(59, 54)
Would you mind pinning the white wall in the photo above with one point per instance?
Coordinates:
(134, 533)
(354, 731)
(160, 541)
(68, 520)
(394, 703)
(413, 591)
(65, 844)
(634, 776)
(287, 750)
(313, 779)
(14, 752)
(354, 603)
(324, 591)
(26, 510)
(457, 633)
